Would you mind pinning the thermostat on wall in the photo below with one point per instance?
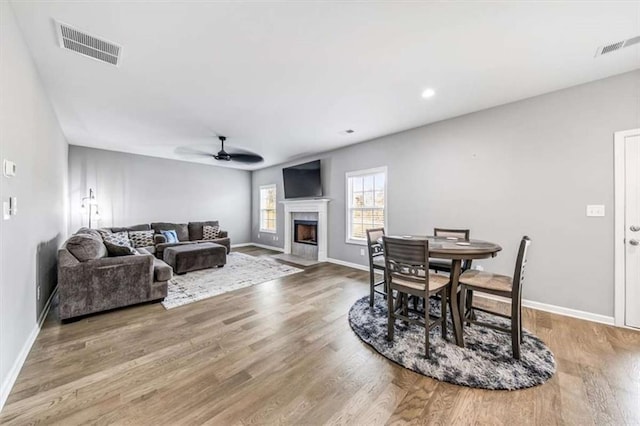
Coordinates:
(9, 168)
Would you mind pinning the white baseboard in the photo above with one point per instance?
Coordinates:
(348, 264)
(8, 383)
(560, 310)
(264, 246)
(241, 245)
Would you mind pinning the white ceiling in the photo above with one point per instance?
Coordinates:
(284, 79)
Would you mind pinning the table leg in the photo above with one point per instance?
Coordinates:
(456, 266)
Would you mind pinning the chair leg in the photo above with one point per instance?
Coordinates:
(405, 305)
(463, 303)
(443, 313)
(391, 320)
(427, 308)
(372, 280)
(469, 306)
(516, 329)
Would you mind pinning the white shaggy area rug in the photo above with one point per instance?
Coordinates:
(240, 271)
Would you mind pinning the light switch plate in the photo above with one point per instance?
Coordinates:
(595, 210)
(8, 168)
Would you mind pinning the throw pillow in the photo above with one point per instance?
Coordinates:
(170, 236)
(210, 232)
(141, 238)
(116, 250)
(117, 238)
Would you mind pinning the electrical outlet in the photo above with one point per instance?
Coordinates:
(595, 210)
(361, 252)
(258, 235)
(276, 238)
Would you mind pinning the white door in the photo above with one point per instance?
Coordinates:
(632, 226)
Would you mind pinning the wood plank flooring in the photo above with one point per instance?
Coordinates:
(282, 352)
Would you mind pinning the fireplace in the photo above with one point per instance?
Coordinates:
(305, 232)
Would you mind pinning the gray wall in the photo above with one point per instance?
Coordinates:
(31, 137)
(132, 189)
(529, 167)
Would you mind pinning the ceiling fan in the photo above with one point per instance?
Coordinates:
(222, 155)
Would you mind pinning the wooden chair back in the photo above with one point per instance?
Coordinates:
(373, 244)
(457, 233)
(407, 259)
(521, 264)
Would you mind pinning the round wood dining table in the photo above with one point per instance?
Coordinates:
(458, 250)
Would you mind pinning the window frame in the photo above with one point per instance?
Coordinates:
(348, 198)
(275, 209)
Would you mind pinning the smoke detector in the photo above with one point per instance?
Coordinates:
(612, 47)
(88, 45)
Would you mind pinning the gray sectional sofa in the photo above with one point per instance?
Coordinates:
(90, 280)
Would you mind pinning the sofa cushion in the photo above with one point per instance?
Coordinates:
(196, 229)
(161, 271)
(210, 232)
(86, 247)
(141, 238)
(119, 250)
(141, 227)
(181, 229)
(118, 238)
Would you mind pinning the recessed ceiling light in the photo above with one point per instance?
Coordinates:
(428, 93)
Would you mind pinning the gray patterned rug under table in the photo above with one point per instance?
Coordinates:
(240, 271)
(485, 362)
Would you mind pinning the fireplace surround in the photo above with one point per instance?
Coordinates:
(305, 206)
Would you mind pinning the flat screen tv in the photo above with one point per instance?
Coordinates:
(303, 180)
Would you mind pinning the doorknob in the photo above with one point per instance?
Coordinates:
(634, 228)
(634, 242)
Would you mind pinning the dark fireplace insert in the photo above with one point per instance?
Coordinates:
(305, 232)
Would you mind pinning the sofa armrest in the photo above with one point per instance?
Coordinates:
(223, 234)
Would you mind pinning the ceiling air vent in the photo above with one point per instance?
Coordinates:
(612, 47)
(88, 45)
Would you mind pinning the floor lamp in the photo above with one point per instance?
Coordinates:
(91, 203)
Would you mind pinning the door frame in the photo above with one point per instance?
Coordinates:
(619, 244)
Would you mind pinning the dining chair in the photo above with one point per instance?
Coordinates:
(376, 262)
(444, 265)
(407, 272)
(498, 285)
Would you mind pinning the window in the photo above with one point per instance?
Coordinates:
(366, 201)
(268, 208)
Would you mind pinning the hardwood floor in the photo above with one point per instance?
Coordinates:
(282, 352)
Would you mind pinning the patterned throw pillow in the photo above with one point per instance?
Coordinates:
(141, 238)
(117, 238)
(210, 232)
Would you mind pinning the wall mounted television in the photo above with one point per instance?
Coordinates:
(302, 180)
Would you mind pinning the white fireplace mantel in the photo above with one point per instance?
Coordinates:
(319, 206)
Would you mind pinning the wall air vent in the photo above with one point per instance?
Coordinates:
(88, 45)
(612, 47)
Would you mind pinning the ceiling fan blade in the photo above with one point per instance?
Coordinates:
(246, 158)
